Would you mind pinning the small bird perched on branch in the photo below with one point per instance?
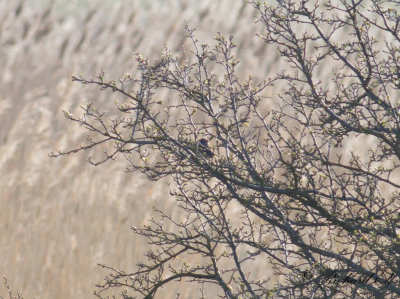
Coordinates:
(204, 148)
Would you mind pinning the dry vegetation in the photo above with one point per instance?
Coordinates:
(59, 218)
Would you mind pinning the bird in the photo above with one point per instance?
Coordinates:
(204, 148)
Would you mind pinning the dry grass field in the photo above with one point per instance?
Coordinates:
(60, 217)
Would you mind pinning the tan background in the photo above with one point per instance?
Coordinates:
(60, 217)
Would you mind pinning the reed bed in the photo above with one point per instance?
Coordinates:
(60, 217)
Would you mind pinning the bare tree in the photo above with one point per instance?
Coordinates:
(325, 219)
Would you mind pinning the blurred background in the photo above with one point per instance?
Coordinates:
(60, 217)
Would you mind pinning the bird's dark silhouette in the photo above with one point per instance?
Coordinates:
(204, 148)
